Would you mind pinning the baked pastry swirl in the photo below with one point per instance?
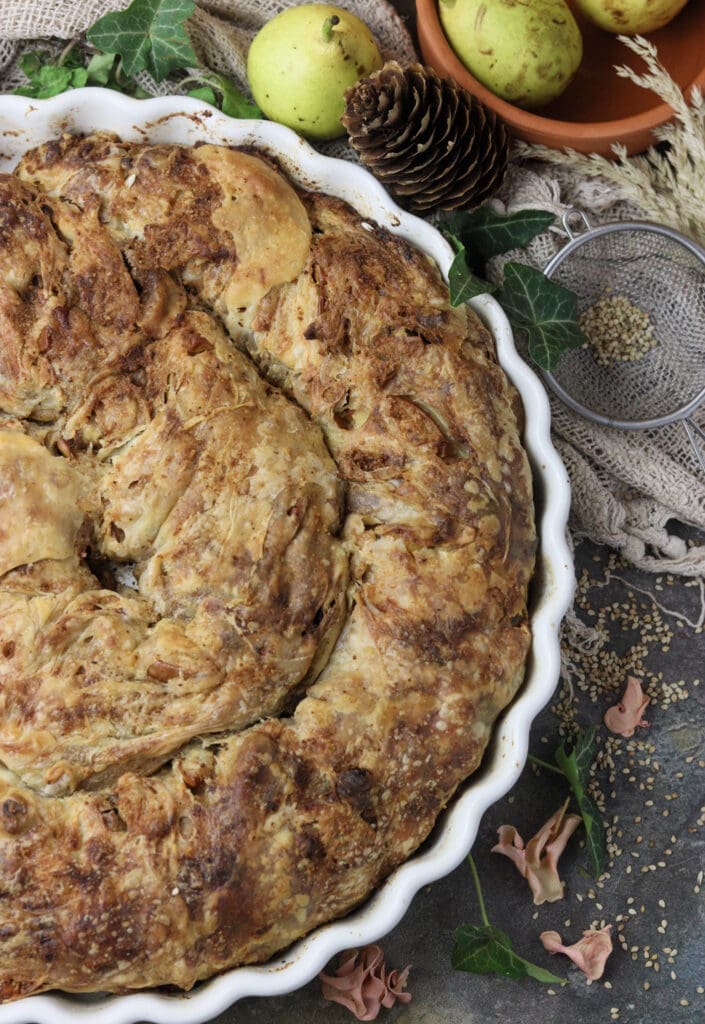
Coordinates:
(266, 533)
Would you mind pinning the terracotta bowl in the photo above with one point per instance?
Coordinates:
(598, 108)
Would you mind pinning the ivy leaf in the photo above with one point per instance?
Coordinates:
(234, 104)
(79, 78)
(576, 765)
(47, 81)
(546, 311)
(106, 69)
(32, 63)
(220, 91)
(484, 949)
(463, 284)
(205, 93)
(50, 79)
(100, 68)
(576, 768)
(72, 59)
(149, 36)
(486, 233)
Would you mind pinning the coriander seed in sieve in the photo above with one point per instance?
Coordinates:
(617, 330)
(650, 370)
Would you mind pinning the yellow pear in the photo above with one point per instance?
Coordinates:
(630, 17)
(301, 62)
(525, 51)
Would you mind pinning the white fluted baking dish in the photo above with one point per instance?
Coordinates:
(24, 124)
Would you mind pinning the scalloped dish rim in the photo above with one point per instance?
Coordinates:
(177, 119)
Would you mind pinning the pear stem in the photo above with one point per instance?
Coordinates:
(328, 26)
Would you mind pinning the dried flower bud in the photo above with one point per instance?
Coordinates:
(538, 862)
(589, 953)
(362, 984)
(624, 717)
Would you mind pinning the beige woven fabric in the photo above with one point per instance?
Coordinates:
(627, 488)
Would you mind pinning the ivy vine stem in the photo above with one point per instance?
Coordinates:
(544, 764)
(478, 890)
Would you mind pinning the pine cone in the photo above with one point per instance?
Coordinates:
(429, 141)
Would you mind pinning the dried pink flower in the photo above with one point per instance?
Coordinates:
(538, 863)
(624, 717)
(362, 984)
(589, 953)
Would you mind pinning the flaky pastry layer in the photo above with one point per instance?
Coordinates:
(266, 410)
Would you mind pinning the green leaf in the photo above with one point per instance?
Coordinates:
(48, 77)
(72, 59)
(576, 765)
(484, 949)
(205, 93)
(234, 104)
(576, 768)
(486, 233)
(462, 282)
(594, 836)
(220, 91)
(546, 311)
(149, 36)
(32, 63)
(79, 78)
(100, 68)
(50, 80)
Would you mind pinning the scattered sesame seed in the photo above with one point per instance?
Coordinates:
(596, 674)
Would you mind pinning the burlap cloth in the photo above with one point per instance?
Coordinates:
(628, 488)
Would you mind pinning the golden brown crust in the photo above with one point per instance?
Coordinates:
(181, 453)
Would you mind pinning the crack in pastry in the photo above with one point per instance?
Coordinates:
(345, 509)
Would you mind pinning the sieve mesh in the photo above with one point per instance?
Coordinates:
(659, 272)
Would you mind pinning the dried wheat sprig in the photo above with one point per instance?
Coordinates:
(666, 185)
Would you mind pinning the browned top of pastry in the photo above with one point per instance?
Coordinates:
(339, 496)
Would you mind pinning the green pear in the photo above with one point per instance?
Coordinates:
(630, 17)
(525, 51)
(302, 61)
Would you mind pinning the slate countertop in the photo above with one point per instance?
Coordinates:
(653, 793)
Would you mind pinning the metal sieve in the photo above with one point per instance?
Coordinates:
(662, 272)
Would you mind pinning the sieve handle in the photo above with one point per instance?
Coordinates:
(694, 433)
(575, 222)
